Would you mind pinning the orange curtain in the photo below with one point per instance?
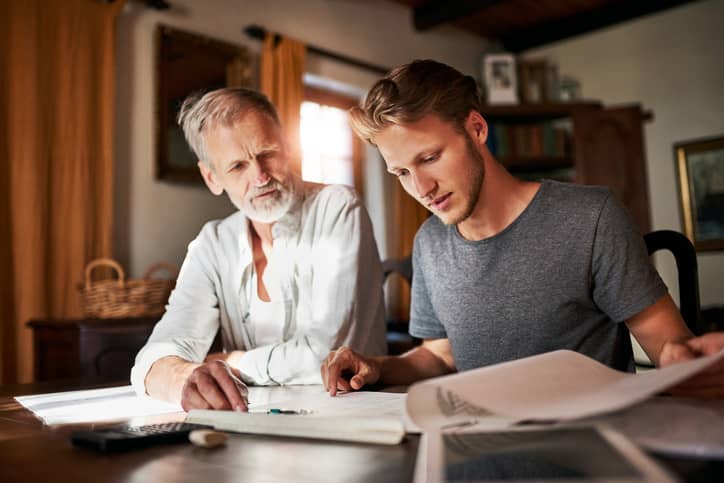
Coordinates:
(56, 143)
(282, 67)
(407, 216)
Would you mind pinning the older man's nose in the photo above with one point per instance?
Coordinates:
(261, 177)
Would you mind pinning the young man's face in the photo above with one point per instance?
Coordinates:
(436, 164)
(249, 161)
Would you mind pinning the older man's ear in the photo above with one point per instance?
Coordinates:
(210, 178)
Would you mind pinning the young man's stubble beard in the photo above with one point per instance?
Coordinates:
(477, 176)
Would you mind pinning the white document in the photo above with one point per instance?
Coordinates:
(360, 430)
(556, 386)
(368, 417)
(94, 405)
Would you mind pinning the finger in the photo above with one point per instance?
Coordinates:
(235, 391)
(236, 376)
(357, 382)
(192, 399)
(210, 389)
(343, 385)
(362, 377)
(707, 344)
(674, 352)
(323, 369)
(334, 370)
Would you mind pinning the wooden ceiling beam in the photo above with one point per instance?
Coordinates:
(583, 23)
(438, 12)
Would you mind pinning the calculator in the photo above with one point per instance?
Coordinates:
(124, 438)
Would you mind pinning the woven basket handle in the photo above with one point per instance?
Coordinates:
(104, 262)
(171, 269)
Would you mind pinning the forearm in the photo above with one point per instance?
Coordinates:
(415, 365)
(167, 376)
(657, 327)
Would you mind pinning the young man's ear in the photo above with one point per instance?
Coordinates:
(210, 179)
(477, 127)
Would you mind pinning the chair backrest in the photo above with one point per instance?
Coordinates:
(687, 269)
(403, 266)
(399, 339)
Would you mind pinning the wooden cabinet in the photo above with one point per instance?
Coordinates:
(602, 146)
(88, 348)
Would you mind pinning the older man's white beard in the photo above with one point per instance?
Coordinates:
(270, 209)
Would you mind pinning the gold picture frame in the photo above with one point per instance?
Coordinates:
(700, 168)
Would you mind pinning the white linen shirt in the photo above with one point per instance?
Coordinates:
(329, 275)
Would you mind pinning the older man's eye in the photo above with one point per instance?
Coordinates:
(265, 155)
(238, 166)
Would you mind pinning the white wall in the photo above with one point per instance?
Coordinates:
(156, 220)
(672, 63)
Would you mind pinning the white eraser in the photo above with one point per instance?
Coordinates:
(207, 438)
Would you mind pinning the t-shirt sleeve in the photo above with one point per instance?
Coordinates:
(624, 280)
(424, 324)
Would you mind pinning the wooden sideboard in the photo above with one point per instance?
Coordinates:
(88, 348)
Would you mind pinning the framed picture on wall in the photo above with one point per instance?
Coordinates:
(700, 167)
(500, 78)
(187, 62)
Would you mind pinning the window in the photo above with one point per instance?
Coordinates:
(330, 151)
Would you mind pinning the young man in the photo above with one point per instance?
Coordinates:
(280, 279)
(506, 268)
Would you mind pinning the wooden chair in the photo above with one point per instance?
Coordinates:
(399, 339)
(688, 272)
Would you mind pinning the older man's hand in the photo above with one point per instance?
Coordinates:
(214, 385)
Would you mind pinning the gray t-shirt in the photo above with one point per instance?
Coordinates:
(563, 275)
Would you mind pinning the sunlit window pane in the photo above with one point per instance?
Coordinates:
(326, 141)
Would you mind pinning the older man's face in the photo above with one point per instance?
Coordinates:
(249, 161)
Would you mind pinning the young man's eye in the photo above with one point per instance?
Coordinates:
(430, 159)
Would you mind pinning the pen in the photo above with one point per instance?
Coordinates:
(279, 411)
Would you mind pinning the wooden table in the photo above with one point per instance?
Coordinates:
(30, 451)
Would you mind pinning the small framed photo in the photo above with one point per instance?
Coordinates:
(536, 78)
(700, 166)
(500, 78)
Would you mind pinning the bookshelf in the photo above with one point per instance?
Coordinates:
(583, 142)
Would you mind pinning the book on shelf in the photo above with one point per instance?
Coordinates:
(548, 140)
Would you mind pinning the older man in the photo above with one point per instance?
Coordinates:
(507, 268)
(292, 275)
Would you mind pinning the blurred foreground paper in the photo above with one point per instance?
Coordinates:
(556, 386)
(92, 405)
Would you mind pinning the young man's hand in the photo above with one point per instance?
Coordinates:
(214, 385)
(346, 370)
(706, 385)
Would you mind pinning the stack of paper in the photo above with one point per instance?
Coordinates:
(93, 405)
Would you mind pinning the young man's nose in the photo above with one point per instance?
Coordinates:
(424, 185)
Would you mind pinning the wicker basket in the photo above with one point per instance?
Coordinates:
(117, 298)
